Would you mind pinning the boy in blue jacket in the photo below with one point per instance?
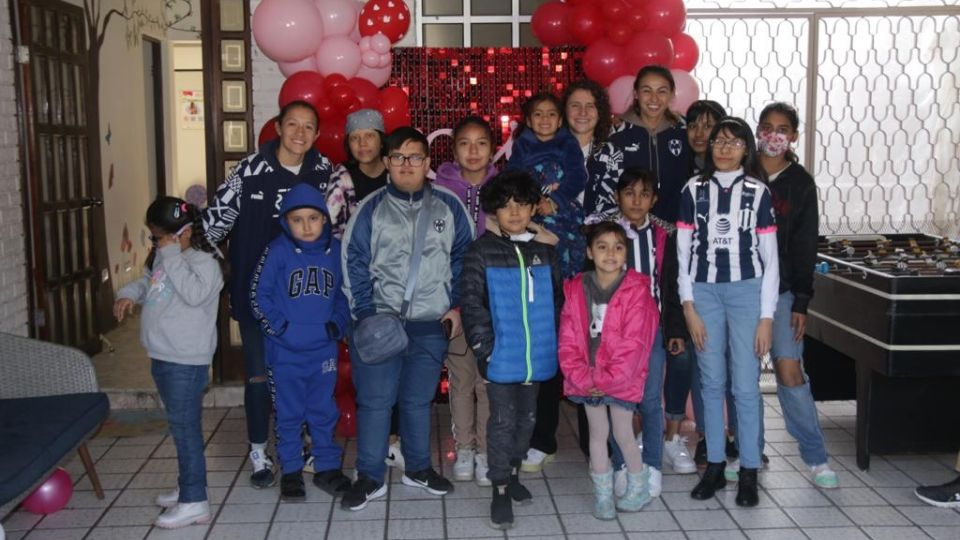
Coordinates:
(297, 298)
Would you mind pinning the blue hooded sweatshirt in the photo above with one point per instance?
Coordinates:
(296, 290)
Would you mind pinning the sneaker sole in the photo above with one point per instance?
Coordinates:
(463, 477)
(375, 495)
(835, 483)
(165, 504)
(484, 482)
(500, 526)
(938, 504)
(407, 481)
(200, 520)
(536, 467)
(293, 498)
(689, 469)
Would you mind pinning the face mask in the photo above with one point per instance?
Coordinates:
(773, 144)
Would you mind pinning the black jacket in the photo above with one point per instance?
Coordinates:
(798, 224)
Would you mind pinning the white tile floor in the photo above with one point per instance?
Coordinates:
(878, 504)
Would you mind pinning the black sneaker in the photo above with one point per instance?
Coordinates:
(429, 480)
(733, 451)
(332, 481)
(700, 456)
(291, 487)
(942, 496)
(501, 508)
(747, 488)
(361, 492)
(517, 491)
(712, 480)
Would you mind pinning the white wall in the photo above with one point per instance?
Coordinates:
(188, 154)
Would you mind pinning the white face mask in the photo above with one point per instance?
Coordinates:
(773, 144)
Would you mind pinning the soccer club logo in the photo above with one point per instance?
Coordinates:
(439, 225)
(675, 147)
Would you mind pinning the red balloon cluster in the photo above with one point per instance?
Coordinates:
(621, 36)
(345, 395)
(334, 97)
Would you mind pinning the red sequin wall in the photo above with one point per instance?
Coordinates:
(445, 85)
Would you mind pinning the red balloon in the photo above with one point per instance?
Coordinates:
(330, 139)
(619, 32)
(52, 495)
(366, 93)
(585, 23)
(604, 61)
(325, 109)
(268, 132)
(613, 10)
(302, 86)
(686, 54)
(635, 18)
(549, 24)
(395, 108)
(648, 48)
(388, 17)
(666, 16)
(342, 96)
(347, 425)
(334, 80)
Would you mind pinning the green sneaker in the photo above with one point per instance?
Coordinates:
(824, 477)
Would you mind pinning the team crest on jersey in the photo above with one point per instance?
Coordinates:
(675, 147)
(439, 225)
(536, 260)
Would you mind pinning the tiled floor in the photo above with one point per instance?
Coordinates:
(878, 504)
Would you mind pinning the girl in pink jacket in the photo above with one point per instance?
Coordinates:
(607, 329)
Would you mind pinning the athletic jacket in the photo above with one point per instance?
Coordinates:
(377, 246)
(629, 327)
(448, 176)
(511, 294)
(246, 208)
(798, 224)
(296, 290)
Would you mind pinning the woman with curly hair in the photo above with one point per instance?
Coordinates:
(586, 113)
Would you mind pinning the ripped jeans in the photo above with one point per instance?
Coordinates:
(513, 413)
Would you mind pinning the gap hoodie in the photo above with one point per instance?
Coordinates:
(296, 289)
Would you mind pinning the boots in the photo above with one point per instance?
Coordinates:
(713, 479)
(603, 491)
(501, 508)
(747, 488)
(638, 492)
(516, 490)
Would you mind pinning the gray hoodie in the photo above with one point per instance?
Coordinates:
(180, 297)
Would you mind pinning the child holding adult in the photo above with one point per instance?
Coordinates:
(795, 201)
(547, 150)
(362, 173)
(511, 295)
(728, 280)
(245, 210)
(180, 294)
(296, 295)
(607, 330)
(465, 176)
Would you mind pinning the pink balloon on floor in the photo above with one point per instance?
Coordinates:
(52, 495)
(687, 91)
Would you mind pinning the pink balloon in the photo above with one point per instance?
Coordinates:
(339, 17)
(287, 30)
(289, 68)
(355, 31)
(338, 55)
(377, 76)
(380, 43)
(621, 94)
(687, 91)
(385, 60)
(365, 43)
(52, 495)
(370, 59)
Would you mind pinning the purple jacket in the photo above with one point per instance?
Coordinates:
(448, 176)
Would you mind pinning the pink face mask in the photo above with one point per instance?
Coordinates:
(773, 144)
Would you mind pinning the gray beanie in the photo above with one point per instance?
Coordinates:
(364, 119)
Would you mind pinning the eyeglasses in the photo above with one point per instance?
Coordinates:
(735, 144)
(399, 159)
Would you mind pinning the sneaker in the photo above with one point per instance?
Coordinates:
(517, 491)
(361, 492)
(535, 460)
(676, 453)
(167, 500)
(942, 496)
(480, 470)
(655, 481)
(501, 509)
(263, 476)
(394, 456)
(713, 479)
(463, 467)
(620, 482)
(292, 488)
(308, 465)
(824, 477)
(732, 450)
(332, 481)
(183, 514)
(732, 472)
(700, 454)
(429, 480)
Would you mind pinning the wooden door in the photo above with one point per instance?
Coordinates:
(64, 204)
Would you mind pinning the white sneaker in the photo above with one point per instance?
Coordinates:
(676, 453)
(620, 481)
(394, 456)
(481, 469)
(463, 467)
(308, 465)
(263, 475)
(732, 472)
(535, 461)
(166, 500)
(824, 477)
(183, 514)
(656, 481)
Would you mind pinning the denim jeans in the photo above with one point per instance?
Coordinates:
(730, 314)
(256, 395)
(181, 389)
(676, 386)
(409, 380)
(696, 393)
(799, 409)
(512, 416)
(651, 410)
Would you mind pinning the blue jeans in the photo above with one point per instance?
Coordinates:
(256, 395)
(409, 380)
(680, 369)
(651, 410)
(181, 389)
(730, 313)
(799, 409)
(697, 394)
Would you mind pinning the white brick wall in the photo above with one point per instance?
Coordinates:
(13, 277)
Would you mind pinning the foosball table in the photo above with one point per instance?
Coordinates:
(890, 306)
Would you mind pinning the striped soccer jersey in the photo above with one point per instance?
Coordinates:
(726, 214)
(642, 254)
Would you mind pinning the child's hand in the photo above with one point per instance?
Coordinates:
(121, 307)
(761, 343)
(675, 346)
(553, 187)
(546, 207)
(698, 331)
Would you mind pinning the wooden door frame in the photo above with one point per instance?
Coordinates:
(159, 134)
